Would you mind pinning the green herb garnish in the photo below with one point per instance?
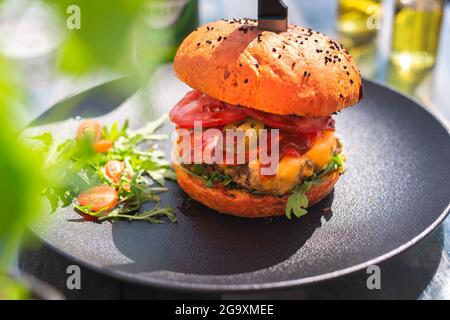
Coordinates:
(73, 167)
(210, 179)
(298, 201)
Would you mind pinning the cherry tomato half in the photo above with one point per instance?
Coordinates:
(102, 146)
(89, 128)
(114, 169)
(99, 198)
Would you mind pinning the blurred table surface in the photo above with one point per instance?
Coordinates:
(431, 89)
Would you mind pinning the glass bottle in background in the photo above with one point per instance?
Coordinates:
(416, 32)
(164, 25)
(359, 20)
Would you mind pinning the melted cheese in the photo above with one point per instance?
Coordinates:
(291, 170)
(322, 151)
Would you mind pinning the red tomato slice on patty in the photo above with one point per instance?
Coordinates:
(293, 124)
(197, 106)
(296, 145)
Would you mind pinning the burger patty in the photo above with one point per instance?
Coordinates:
(290, 172)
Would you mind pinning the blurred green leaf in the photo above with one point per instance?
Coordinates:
(11, 289)
(19, 169)
(105, 37)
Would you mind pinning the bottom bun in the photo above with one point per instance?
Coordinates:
(244, 204)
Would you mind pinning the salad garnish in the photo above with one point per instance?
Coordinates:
(109, 172)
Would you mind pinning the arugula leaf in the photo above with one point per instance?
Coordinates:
(46, 139)
(112, 133)
(298, 201)
(211, 179)
(336, 162)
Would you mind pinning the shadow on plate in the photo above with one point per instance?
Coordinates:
(209, 243)
(411, 275)
(403, 277)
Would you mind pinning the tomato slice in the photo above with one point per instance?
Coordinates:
(294, 124)
(114, 169)
(296, 145)
(197, 106)
(102, 146)
(90, 128)
(99, 198)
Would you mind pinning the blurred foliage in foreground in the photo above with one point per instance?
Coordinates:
(19, 190)
(105, 36)
(108, 36)
(12, 290)
(19, 169)
(122, 34)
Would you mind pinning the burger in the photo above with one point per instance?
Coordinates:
(246, 80)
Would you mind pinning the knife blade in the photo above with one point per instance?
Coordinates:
(272, 15)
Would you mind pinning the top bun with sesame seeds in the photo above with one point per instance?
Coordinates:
(300, 71)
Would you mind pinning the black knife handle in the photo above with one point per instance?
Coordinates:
(272, 9)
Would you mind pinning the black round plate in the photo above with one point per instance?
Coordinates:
(395, 192)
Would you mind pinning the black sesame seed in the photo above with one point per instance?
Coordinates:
(345, 67)
(341, 96)
(279, 56)
(301, 42)
(198, 44)
(208, 41)
(316, 40)
(274, 50)
(348, 73)
(351, 81)
(305, 73)
(257, 65)
(246, 81)
(219, 38)
(293, 65)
